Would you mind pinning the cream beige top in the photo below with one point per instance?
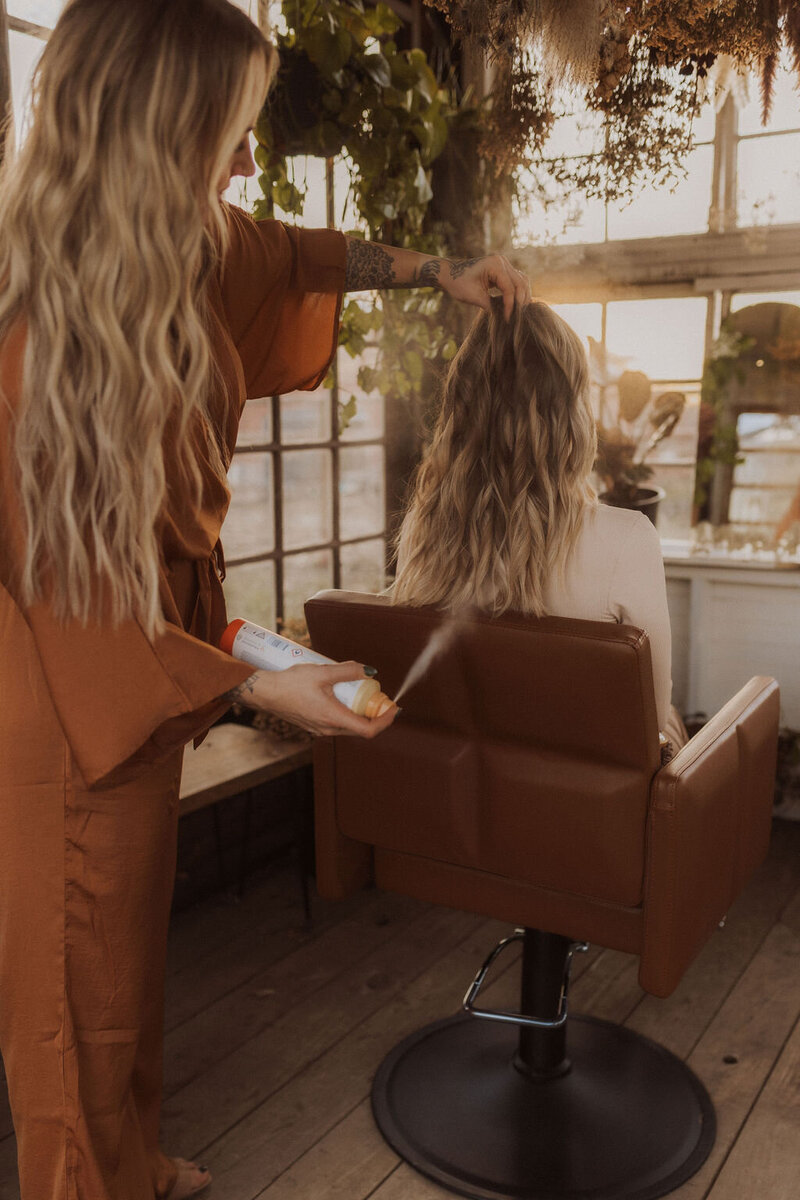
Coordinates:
(615, 572)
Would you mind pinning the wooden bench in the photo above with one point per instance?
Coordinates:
(236, 759)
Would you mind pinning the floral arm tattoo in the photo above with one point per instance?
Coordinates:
(243, 691)
(368, 266)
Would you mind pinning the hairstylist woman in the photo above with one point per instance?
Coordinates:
(137, 313)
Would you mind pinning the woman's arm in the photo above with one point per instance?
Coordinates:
(373, 265)
(304, 696)
(641, 589)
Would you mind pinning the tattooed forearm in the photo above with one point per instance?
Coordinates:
(463, 264)
(428, 274)
(243, 692)
(368, 266)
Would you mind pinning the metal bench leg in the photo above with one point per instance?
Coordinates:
(218, 841)
(248, 820)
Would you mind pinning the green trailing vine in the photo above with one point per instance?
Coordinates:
(725, 364)
(344, 88)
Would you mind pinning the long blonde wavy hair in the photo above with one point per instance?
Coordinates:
(110, 224)
(500, 496)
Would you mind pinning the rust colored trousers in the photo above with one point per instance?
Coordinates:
(86, 881)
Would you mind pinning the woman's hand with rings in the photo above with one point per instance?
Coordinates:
(303, 694)
(471, 280)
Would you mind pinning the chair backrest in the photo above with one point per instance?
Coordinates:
(526, 748)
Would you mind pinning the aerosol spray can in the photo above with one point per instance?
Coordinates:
(261, 648)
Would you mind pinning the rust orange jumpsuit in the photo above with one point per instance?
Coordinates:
(92, 725)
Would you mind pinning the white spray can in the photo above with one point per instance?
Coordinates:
(262, 648)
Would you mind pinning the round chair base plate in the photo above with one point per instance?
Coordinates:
(629, 1121)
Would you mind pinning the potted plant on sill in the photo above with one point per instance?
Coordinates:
(627, 436)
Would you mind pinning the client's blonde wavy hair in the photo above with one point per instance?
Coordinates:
(499, 498)
(110, 223)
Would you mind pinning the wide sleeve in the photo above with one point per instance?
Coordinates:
(639, 597)
(281, 290)
(124, 701)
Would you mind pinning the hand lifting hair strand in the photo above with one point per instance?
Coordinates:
(373, 265)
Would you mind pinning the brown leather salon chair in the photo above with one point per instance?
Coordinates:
(523, 781)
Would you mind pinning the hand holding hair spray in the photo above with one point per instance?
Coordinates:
(261, 648)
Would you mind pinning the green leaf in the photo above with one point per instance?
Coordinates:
(449, 350)
(347, 412)
(414, 365)
(328, 49)
(404, 73)
(377, 68)
(381, 20)
(288, 197)
(426, 80)
(422, 186)
(368, 378)
(263, 158)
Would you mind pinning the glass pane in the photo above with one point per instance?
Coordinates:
(24, 52)
(743, 299)
(681, 445)
(585, 319)
(40, 12)
(674, 208)
(307, 498)
(307, 174)
(306, 417)
(303, 575)
(705, 122)
(250, 524)
(345, 212)
(771, 446)
(663, 338)
(552, 215)
(765, 484)
(363, 566)
(250, 593)
(785, 113)
(769, 180)
(369, 419)
(561, 219)
(575, 134)
(675, 510)
(759, 506)
(361, 491)
(255, 426)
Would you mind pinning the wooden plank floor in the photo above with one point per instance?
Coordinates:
(275, 1028)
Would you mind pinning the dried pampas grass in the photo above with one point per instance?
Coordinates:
(570, 32)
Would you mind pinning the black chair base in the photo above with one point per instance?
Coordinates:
(628, 1121)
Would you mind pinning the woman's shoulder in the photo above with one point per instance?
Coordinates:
(619, 525)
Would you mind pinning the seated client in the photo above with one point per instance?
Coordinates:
(503, 515)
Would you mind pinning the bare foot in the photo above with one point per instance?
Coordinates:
(191, 1179)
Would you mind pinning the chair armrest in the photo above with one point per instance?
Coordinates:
(708, 829)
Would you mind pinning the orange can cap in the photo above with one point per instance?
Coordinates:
(229, 635)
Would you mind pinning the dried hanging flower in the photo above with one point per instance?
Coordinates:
(568, 35)
(638, 63)
(521, 116)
